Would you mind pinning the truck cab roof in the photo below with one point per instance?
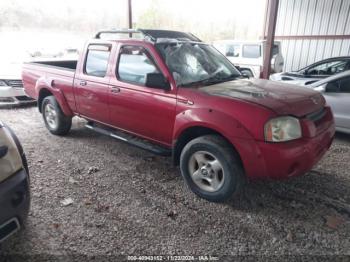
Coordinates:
(150, 35)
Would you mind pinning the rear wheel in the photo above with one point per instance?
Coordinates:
(55, 120)
(211, 168)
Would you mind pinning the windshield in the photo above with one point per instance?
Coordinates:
(196, 64)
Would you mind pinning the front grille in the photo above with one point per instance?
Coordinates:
(24, 98)
(6, 100)
(15, 83)
(316, 116)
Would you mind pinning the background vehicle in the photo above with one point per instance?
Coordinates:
(316, 71)
(336, 90)
(14, 183)
(173, 95)
(249, 55)
(11, 87)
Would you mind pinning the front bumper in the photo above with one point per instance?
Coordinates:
(294, 158)
(262, 160)
(14, 203)
(14, 96)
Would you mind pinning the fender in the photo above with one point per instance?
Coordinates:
(49, 84)
(213, 119)
(231, 129)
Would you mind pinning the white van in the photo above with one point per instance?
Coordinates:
(248, 55)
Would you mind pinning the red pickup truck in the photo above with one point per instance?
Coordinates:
(170, 93)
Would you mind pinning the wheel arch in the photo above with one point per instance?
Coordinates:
(193, 132)
(59, 96)
(44, 92)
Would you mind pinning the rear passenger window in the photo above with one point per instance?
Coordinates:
(251, 51)
(97, 60)
(134, 65)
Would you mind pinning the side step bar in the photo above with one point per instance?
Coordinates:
(132, 140)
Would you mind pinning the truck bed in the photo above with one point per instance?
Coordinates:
(60, 64)
(54, 75)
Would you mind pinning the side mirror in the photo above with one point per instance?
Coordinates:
(245, 75)
(157, 80)
(321, 89)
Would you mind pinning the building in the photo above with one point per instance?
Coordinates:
(312, 30)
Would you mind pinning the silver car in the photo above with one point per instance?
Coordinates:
(315, 72)
(336, 90)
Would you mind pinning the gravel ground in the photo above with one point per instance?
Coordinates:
(128, 201)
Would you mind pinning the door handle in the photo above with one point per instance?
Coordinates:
(115, 89)
(83, 83)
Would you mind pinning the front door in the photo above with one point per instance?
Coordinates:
(145, 111)
(338, 97)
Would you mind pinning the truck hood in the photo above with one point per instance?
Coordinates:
(283, 99)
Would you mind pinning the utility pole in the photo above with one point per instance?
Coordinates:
(130, 17)
(130, 14)
(271, 16)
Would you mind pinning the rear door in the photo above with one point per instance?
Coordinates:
(337, 95)
(92, 83)
(144, 111)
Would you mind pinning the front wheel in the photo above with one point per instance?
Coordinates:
(55, 120)
(211, 168)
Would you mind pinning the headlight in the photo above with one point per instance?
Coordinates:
(3, 83)
(12, 161)
(282, 129)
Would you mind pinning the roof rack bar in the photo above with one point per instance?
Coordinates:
(119, 31)
(151, 34)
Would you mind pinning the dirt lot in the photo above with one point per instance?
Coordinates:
(127, 201)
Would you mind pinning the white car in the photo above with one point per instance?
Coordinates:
(11, 86)
(249, 55)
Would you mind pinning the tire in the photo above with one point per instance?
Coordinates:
(55, 120)
(208, 149)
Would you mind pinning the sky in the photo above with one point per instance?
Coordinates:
(247, 12)
(52, 24)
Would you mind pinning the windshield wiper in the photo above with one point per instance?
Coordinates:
(211, 80)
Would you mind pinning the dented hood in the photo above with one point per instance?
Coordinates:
(282, 98)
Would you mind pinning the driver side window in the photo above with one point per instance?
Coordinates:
(344, 85)
(134, 65)
(340, 86)
(329, 68)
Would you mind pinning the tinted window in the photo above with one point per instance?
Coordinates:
(344, 85)
(251, 51)
(329, 68)
(97, 62)
(232, 50)
(134, 64)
